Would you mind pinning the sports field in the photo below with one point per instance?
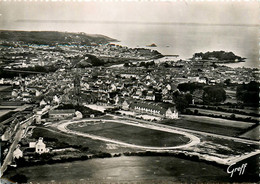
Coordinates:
(130, 134)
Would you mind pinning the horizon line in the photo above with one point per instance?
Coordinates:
(135, 22)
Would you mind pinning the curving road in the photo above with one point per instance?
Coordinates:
(193, 139)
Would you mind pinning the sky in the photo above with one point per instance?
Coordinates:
(143, 12)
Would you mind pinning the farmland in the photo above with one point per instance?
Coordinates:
(211, 125)
(219, 121)
(224, 114)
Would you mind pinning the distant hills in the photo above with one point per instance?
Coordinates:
(53, 37)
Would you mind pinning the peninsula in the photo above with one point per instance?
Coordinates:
(54, 37)
(218, 57)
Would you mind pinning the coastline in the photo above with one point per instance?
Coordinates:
(178, 56)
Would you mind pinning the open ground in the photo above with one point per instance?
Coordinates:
(210, 125)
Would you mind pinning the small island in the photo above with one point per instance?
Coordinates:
(152, 45)
(218, 57)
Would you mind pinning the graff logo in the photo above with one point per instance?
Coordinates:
(231, 170)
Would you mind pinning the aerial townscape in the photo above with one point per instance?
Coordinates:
(75, 97)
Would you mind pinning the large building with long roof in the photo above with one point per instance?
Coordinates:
(158, 109)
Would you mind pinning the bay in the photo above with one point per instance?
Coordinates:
(171, 39)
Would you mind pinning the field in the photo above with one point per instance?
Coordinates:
(130, 134)
(225, 147)
(219, 121)
(252, 134)
(224, 114)
(211, 125)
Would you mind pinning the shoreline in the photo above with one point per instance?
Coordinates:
(104, 155)
(175, 154)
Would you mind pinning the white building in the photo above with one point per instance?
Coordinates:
(78, 115)
(125, 105)
(171, 113)
(157, 109)
(40, 146)
(62, 113)
(17, 152)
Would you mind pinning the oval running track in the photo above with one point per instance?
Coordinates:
(193, 139)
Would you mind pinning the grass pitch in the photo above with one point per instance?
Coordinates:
(130, 134)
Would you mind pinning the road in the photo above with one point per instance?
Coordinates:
(8, 158)
(23, 71)
(18, 109)
(18, 136)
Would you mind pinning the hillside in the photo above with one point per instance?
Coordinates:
(53, 37)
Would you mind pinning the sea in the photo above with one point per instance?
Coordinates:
(171, 39)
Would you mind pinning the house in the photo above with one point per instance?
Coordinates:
(128, 75)
(61, 113)
(171, 113)
(40, 146)
(150, 96)
(165, 91)
(7, 134)
(125, 105)
(78, 115)
(56, 100)
(116, 99)
(37, 93)
(17, 152)
(167, 98)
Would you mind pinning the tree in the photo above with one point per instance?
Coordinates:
(188, 98)
(248, 93)
(19, 178)
(158, 97)
(227, 82)
(20, 161)
(214, 94)
(142, 64)
(190, 86)
(94, 60)
(181, 103)
(232, 116)
(196, 111)
(126, 65)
